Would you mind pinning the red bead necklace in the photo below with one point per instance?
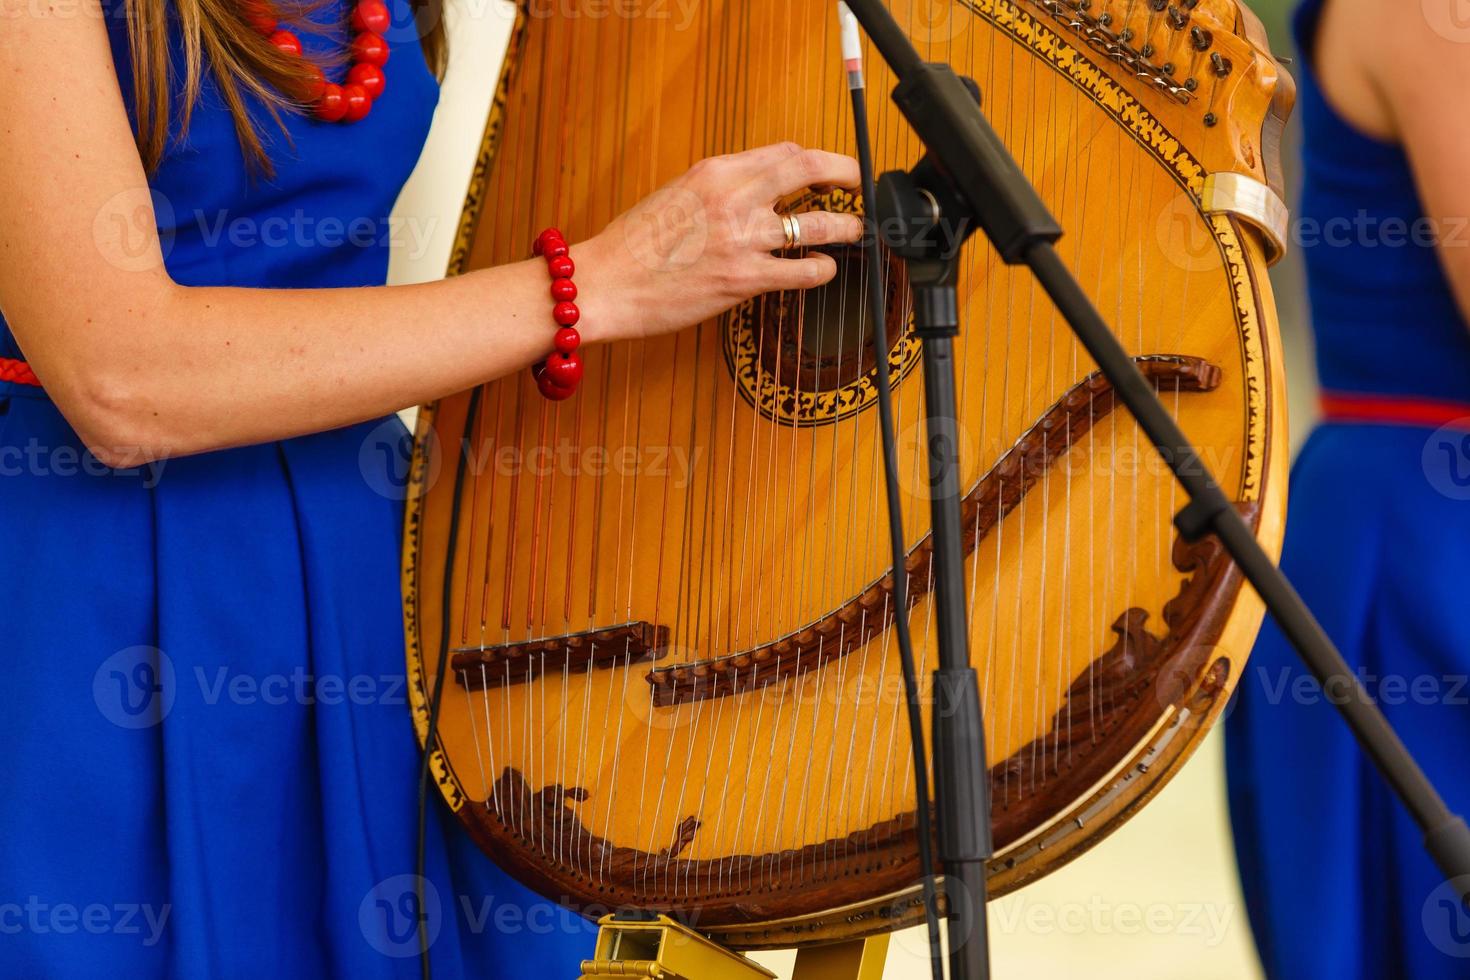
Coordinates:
(353, 99)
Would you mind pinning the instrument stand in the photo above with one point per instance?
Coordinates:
(913, 214)
(972, 179)
(661, 948)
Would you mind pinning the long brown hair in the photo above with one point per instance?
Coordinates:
(240, 59)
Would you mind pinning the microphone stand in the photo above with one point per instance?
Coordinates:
(921, 221)
(967, 178)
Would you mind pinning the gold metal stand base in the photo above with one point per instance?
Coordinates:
(860, 959)
(662, 949)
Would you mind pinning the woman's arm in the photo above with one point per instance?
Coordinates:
(144, 368)
(1400, 72)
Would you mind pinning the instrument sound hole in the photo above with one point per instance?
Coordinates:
(822, 339)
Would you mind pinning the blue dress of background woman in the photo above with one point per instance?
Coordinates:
(1378, 541)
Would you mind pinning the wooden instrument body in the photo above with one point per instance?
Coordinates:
(672, 684)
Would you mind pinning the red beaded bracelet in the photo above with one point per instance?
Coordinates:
(557, 377)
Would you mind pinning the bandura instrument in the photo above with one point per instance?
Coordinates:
(664, 607)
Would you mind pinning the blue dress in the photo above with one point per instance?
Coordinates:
(1378, 542)
(210, 769)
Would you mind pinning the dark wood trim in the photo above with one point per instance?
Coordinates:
(508, 664)
(1126, 690)
(854, 624)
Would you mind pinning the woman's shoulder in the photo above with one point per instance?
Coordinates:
(1337, 40)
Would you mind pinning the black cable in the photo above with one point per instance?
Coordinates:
(437, 695)
(877, 309)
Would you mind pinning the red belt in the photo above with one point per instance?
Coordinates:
(17, 371)
(1340, 406)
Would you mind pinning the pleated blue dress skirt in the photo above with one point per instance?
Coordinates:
(210, 769)
(1336, 877)
(210, 766)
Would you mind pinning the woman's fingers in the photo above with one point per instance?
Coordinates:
(780, 275)
(712, 238)
(777, 274)
(761, 158)
(808, 168)
(813, 228)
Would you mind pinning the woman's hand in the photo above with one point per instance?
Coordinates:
(145, 368)
(704, 243)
